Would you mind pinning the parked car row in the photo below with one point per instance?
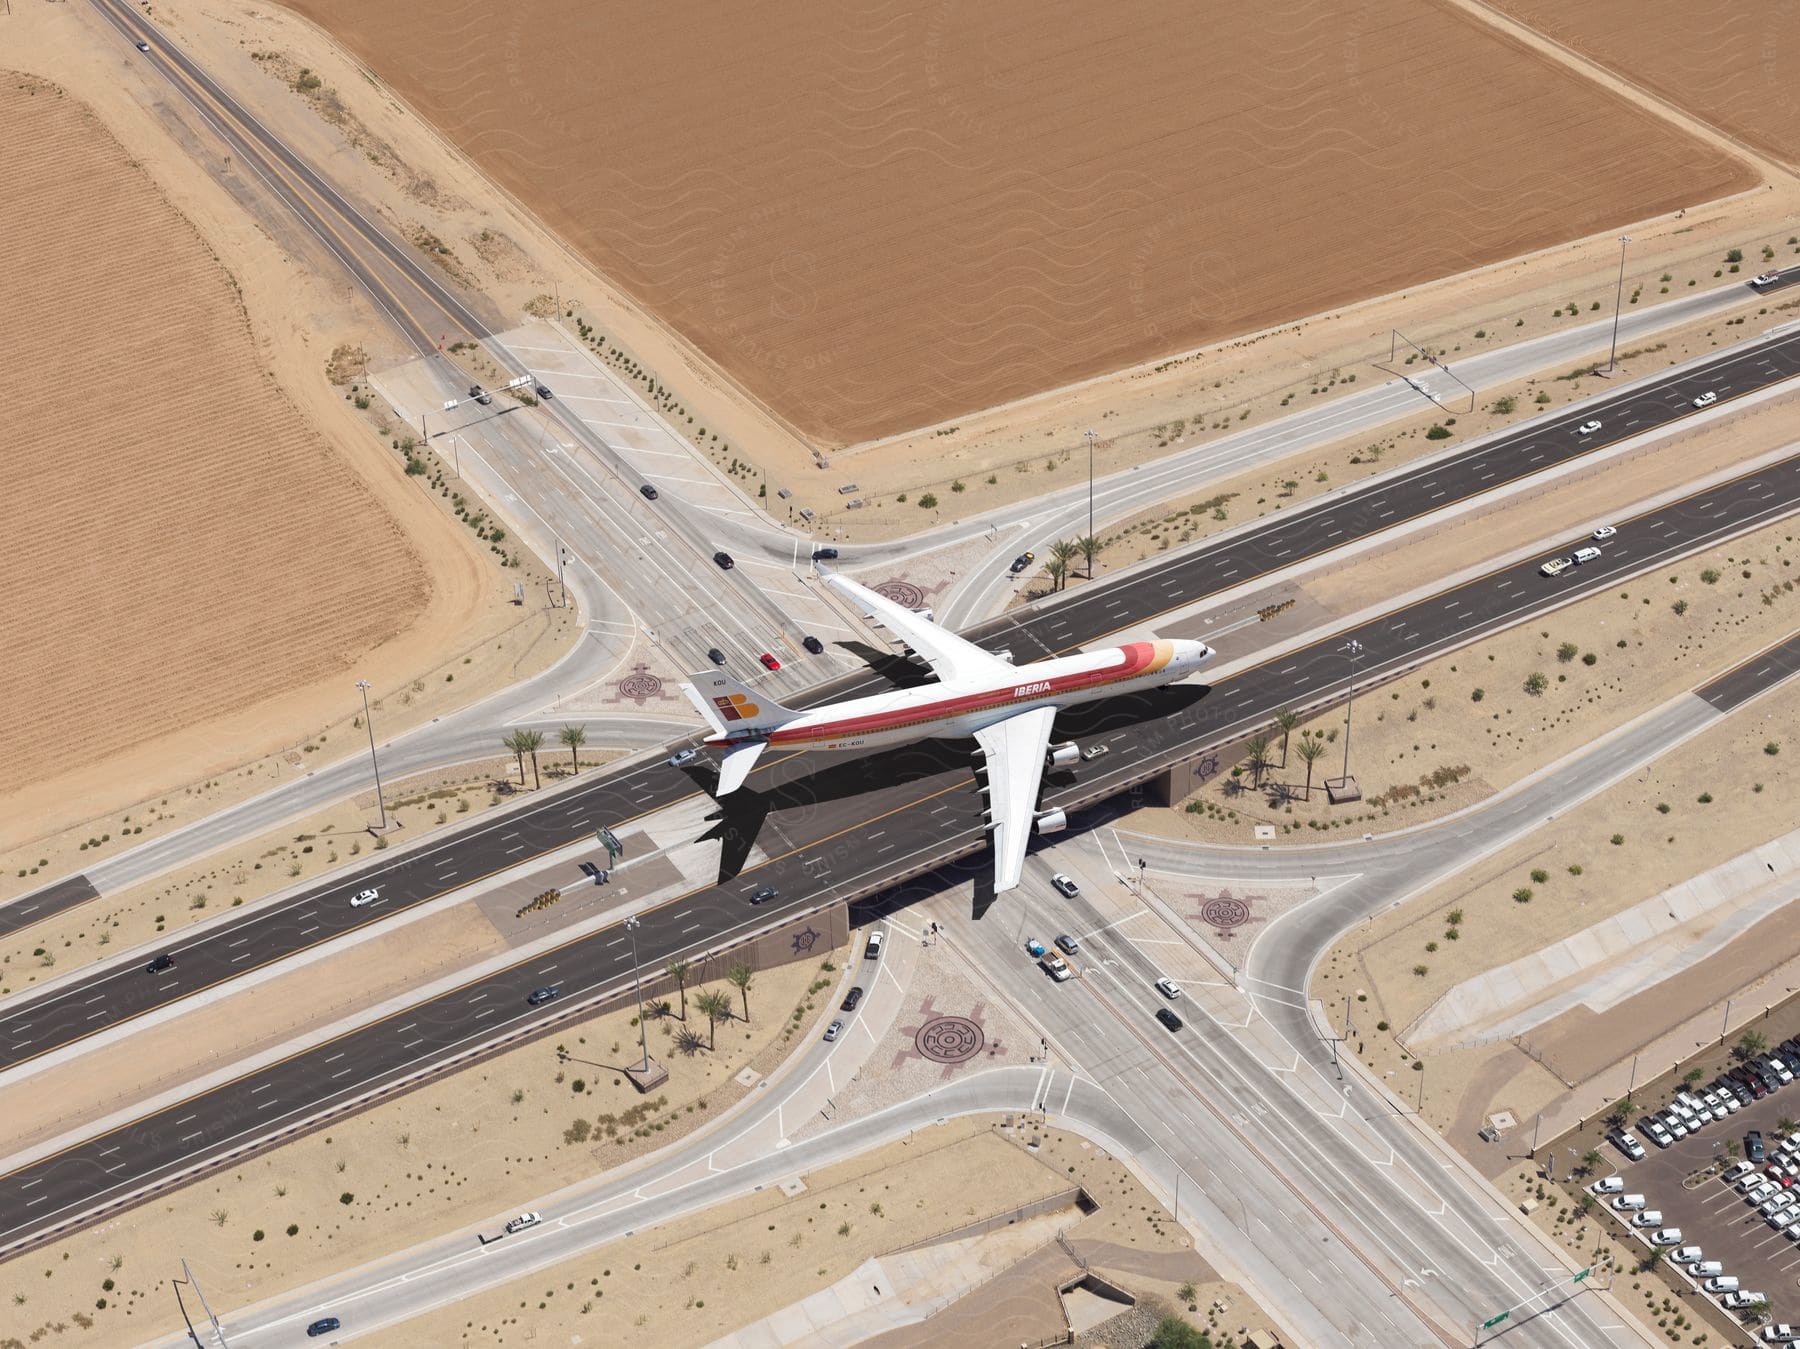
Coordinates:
(1710, 1275)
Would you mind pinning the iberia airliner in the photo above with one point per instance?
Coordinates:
(1008, 709)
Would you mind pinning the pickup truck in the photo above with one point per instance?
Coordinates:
(524, 1220)
(1058, 967)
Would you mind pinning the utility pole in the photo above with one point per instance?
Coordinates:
(562, 555)
(631, 927)
(188, 1279)
(1618, 300)
(1091, 437)
(1354, 650)
(369, 722)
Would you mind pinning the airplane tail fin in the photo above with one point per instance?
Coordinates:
(732, 709)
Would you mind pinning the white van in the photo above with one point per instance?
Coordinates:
(1707, 1269)
(1687, 1255)
(1724, 1283)
(1666, 1236)
(1628, 1203)
(1586, 555)
(1650, 1217)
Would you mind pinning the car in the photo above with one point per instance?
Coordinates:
(1658, 1135)
(1780, 1333)
(1706, 399)
(768, 661)
(144, 47)
(1667, 1236)
(1686, 1255)
(1608, 1185)
(1754, 1148)
(1022, 561)
(1628, 1203)
(1721, 1283)
(764, 895)
(873, 950)
(325, 1324)
(723, 559)
(1759, 280)
(1676, 1126)
(1785, 1073)
(1735, 1301)
(835, 1029)
(1650, 1217)
(480, 395)
(851, 998)
(1587, 428)
(1093, 752)
(1034, 948)
(1737, 1170)
(825, 554)
(540, 996)
(1729, 1100)
(1056, 965)
(1556, 566)
(1605, 531)
(543, 392)
(363, 898)
(813, 644)
(1067, 944)
(1168, 987)
(165, 961)
(1760, 1192)
(648, 492)
(524, 1220)
(681, 758)
(1589, 554)
(1064, 886)
(716, 656)
(1627, 1143)
(1168, 1018)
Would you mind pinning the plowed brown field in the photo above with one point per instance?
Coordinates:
(879, 215)
(179, 542)
(1733, 65)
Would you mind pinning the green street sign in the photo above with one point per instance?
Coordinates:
(610, 841)
(1582, 1274)
(1493, 1321)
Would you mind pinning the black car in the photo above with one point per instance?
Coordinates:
(650, 493)
(542, 995)
(1753, 1147)
(824, 554)
(724, 561)
(716, 656)
(324, 1326)
(1022, 561)
(480, 395)
(1168, 1018)
(543, 392)
(814, 645)
(764, 895)
(165, 961)
(851, 998)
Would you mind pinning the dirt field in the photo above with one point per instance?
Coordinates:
(1733, 66)
(469, 1146)
(186, 543)
(877, 222)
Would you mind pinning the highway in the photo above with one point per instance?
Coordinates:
(816, 817)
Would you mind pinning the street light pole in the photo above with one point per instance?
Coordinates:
(1618, 301)
(1091, 437)
(631, 927)
(374, 759)
(1354, 650)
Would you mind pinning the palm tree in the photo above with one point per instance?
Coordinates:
(715, 1007)
(531, 740)
(1311, 751)
(1587, 1202)
(1652, 1260)
(741, 977)
(1590, 1160)
(1286, 719)
(1750, 1043)
(1786, 1124)
(515, 741)
(1256, 755)
(1064, 552)
(1055, 569)
(1089, 545)
(574, 737)
(1621, 1111)
(678, 971)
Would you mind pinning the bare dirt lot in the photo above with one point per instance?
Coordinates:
(1731, 65)
(877, 221)
(183, 542)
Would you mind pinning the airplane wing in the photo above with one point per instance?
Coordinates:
(1015, 767)
(951, 657)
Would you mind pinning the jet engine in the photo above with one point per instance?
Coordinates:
(1066, 753)
(1052, 822)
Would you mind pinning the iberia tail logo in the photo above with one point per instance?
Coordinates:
(735, 707)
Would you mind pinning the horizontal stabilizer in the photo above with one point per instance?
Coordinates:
(736, 766)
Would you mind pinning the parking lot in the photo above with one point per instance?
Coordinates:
(1683, 1181)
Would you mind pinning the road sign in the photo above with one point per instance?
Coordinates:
(1582, 1274)
(610, 841)
(1493, 1321)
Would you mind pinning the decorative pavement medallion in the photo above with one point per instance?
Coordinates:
(947, 1039)
(1225, 913)
(804, 941)
(903, 593)
(640, 687)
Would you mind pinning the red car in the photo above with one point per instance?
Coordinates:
(769, 661)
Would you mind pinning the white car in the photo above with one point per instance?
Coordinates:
(1650, 1217)
(1609, 1185)
(1168, 987)
(524, 1220)
(363, 898)
(1687, 1255)
(1605, 531)
(1056, 965)
(1668, 1236)
(1556, 566)
(1765, 278)
(1780, 1333)
(1737, 1170)
(1626, 1142)
(1762, 1190)
(1658, 1134)
(1706, 399)
(1744, 1299)
(1065, 886)
(1093, 752)
(1628, 1203)
(1587, 428)
(1676, 1125)
(1781, 1069)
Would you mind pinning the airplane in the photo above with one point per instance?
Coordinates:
(1008, 709)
